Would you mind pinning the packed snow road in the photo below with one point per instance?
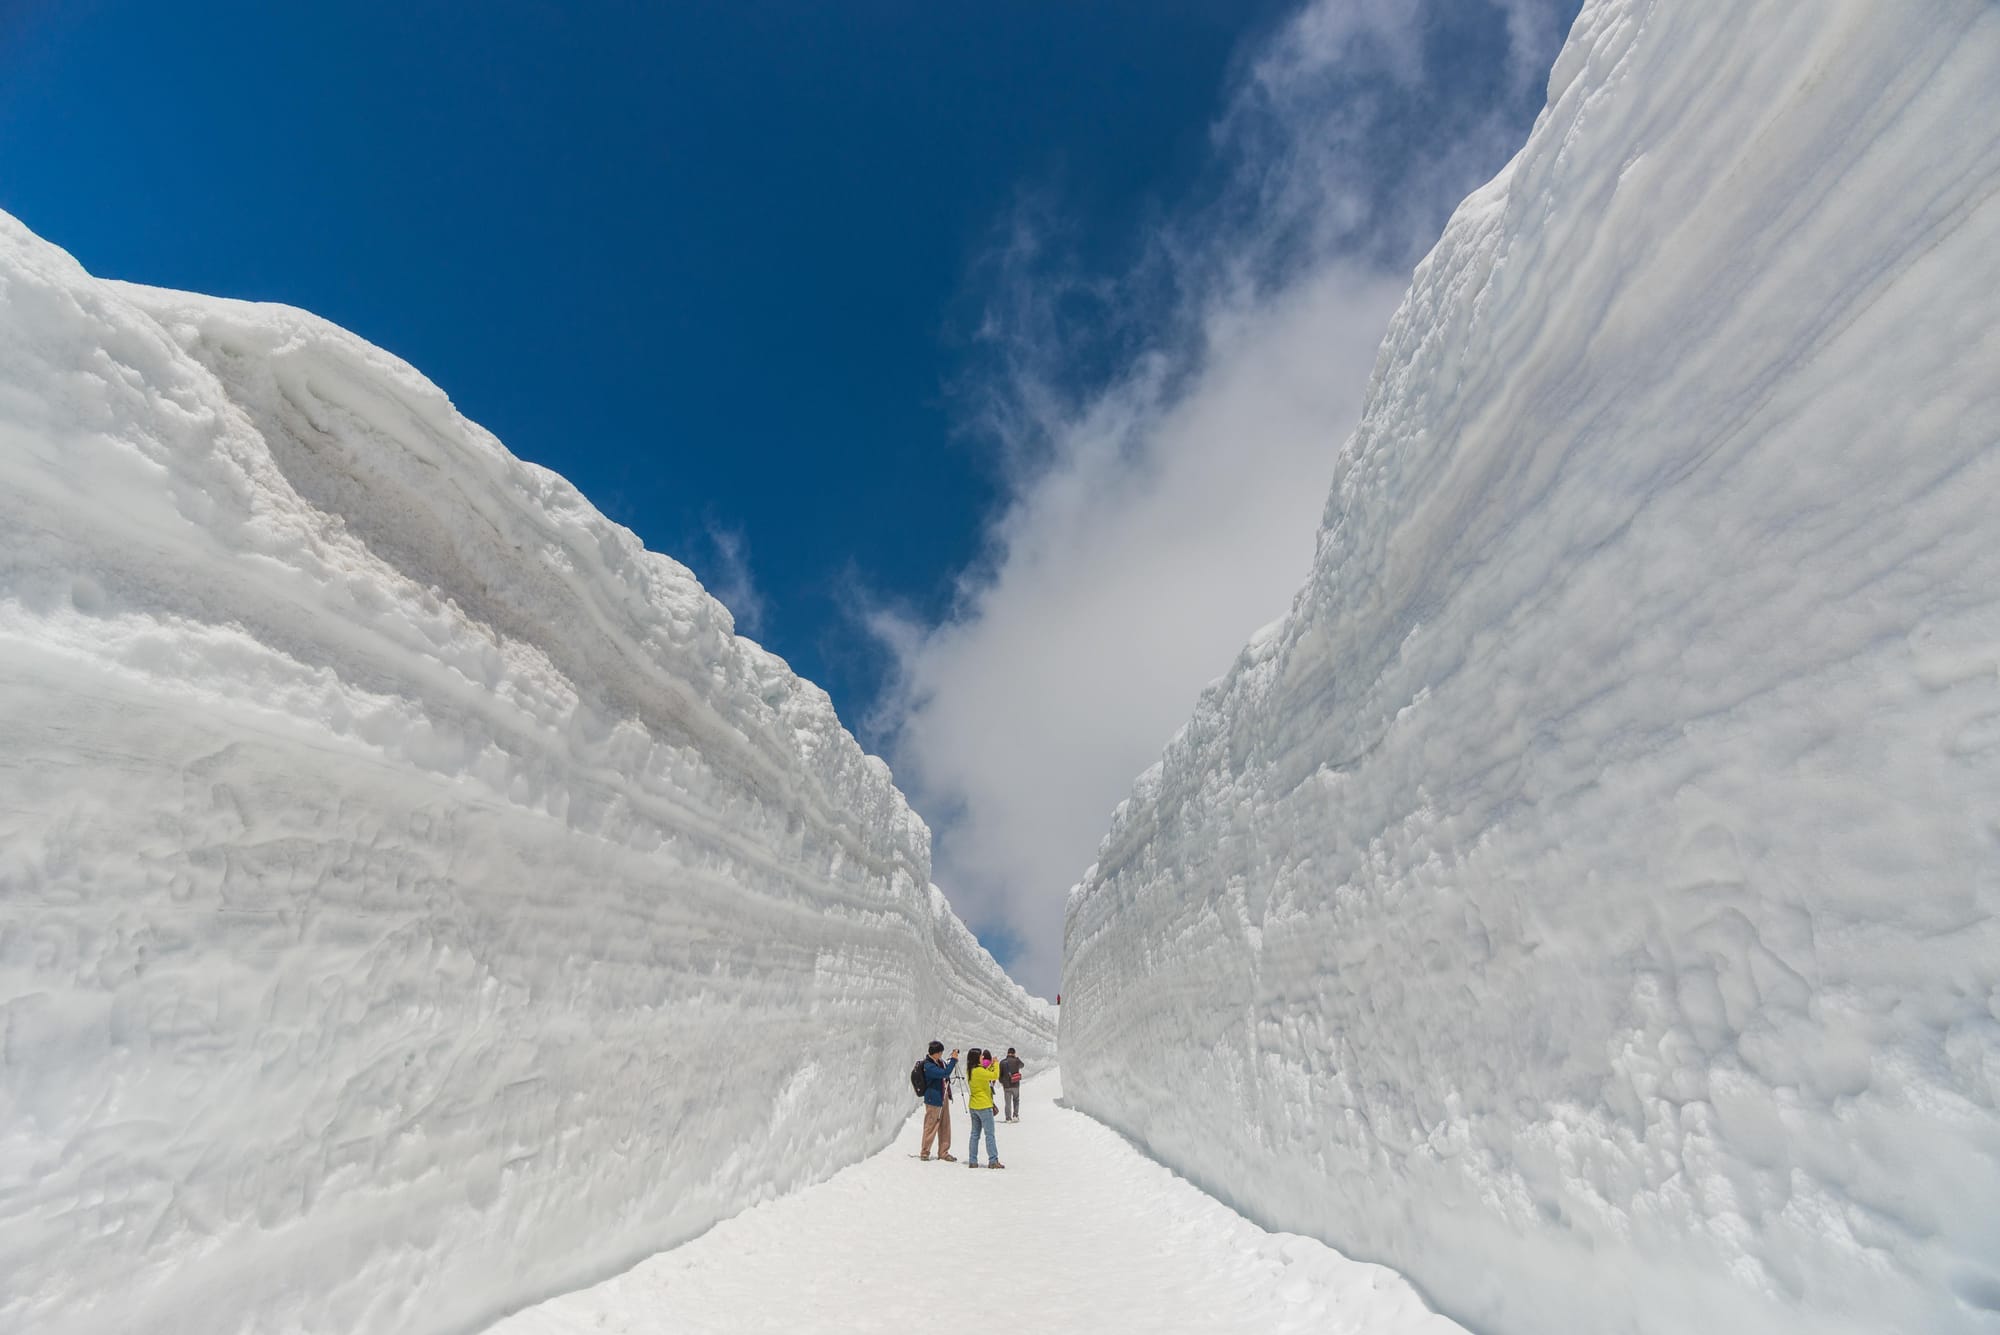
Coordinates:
(1078, 1235)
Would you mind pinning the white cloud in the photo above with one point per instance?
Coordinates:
(1164, 509)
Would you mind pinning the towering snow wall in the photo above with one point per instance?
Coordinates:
(414, 898)
(1588, 899)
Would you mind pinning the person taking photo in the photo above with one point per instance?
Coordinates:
(980, 1080)
(937, 1116)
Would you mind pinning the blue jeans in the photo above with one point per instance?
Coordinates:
(983, 1118)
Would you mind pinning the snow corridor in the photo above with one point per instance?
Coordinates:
(1079, 1235)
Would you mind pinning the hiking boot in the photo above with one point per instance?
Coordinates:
(995, 1164)
(972, 1165)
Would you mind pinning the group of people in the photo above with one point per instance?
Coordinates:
(982, 1076)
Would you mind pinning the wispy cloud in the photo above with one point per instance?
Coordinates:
(731, 581)
(1169, 433)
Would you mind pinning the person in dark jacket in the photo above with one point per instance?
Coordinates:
(1010, 1083)
(937, 1117)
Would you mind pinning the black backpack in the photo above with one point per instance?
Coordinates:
(917, 1081)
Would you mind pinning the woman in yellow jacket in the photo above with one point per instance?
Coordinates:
(980, 1079)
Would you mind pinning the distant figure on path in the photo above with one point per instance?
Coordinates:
(937, 1117)
(1010, 1084)
(983, 1076)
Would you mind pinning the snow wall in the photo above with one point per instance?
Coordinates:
(414, 898)
(1588, 900)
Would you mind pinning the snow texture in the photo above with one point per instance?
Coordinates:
(1079, 1235)
(1588, 900)
(414, 897)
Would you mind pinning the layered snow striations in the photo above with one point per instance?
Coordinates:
(414, 897)
(1588, 900)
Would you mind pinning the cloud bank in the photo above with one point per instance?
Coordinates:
(1169, 434)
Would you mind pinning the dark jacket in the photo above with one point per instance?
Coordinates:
(1010, 1070)
(935, 1074)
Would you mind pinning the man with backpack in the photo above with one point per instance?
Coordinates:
(931, 1078)
(1010, 1084)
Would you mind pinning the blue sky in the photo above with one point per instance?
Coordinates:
(709, 261)
(989, 360)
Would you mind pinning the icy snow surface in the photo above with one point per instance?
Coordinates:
(414, 898)
(1588, 901)
(1078, 1235)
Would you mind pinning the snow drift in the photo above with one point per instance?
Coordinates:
(1588, 900)
(414, 897)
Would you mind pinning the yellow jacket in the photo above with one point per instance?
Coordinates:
(981, 1079)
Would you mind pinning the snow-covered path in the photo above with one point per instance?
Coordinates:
(1079, 1235)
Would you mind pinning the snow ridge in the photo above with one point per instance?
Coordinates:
(415, 899)
(1586, 903)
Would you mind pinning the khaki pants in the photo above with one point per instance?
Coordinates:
(937, 1125)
